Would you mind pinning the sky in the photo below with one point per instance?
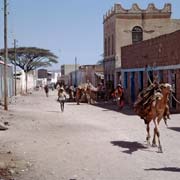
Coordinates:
(69, 28)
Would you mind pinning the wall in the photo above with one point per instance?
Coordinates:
(161, 55)
(31, 84)
(86, 73)
(68, 68)
(10, 82)
(161, 51)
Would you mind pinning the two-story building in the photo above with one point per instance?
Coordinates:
(128, 26)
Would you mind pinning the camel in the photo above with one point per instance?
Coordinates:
(91, 94)
(79, 93)
(86, 93)
(156, 110)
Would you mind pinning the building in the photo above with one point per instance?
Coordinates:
(158, 57)
(128, 26)
(47, 77)
(88, 73)
(42, 75)
(54, 76)
(66, 69)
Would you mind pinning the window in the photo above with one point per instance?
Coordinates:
(137, 34)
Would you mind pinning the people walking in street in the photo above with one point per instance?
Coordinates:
(61, 97)
(119, 93)
(46, 89)
(78, 95)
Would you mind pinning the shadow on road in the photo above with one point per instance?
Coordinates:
(75, 104)
(131, 146)
(171, 169)
(174, 128)
(53, 111)
(113, 107)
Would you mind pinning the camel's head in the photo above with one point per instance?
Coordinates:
(166, 88)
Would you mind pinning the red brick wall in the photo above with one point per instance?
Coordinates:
(161, 51)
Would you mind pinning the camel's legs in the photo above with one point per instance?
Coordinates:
(154, 139)
(158, 133)
(148, 134)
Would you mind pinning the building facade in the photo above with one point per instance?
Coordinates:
(66, 70)
(158, 57)
(124, 27)
(88, 73)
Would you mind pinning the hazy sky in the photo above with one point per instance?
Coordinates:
(68, 28)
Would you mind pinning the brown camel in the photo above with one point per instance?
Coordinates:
(158, 108)
(91, 94)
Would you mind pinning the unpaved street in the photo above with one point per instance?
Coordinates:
(84, 142)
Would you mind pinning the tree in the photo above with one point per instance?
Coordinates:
(30, 58)
(100, 62)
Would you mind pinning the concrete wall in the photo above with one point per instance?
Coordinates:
(31, 83)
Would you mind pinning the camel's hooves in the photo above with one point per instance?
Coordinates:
(148, 143)
(160, 150)
(154, 145)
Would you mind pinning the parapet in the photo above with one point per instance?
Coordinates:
(150, 10)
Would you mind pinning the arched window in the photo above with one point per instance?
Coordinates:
(137, 34)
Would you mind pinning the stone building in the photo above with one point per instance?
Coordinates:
(156, 57)
(124, 27)
(66, 70)
(88, 73)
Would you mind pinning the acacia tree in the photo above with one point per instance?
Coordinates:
(30, 58)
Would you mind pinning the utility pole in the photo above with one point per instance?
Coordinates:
(75, 71)
(15, 89)
(5, 57)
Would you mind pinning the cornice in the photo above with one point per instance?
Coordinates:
(150, 12)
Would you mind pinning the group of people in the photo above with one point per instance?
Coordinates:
(75, 93)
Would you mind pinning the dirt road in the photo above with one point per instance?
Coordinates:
(84, 142)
